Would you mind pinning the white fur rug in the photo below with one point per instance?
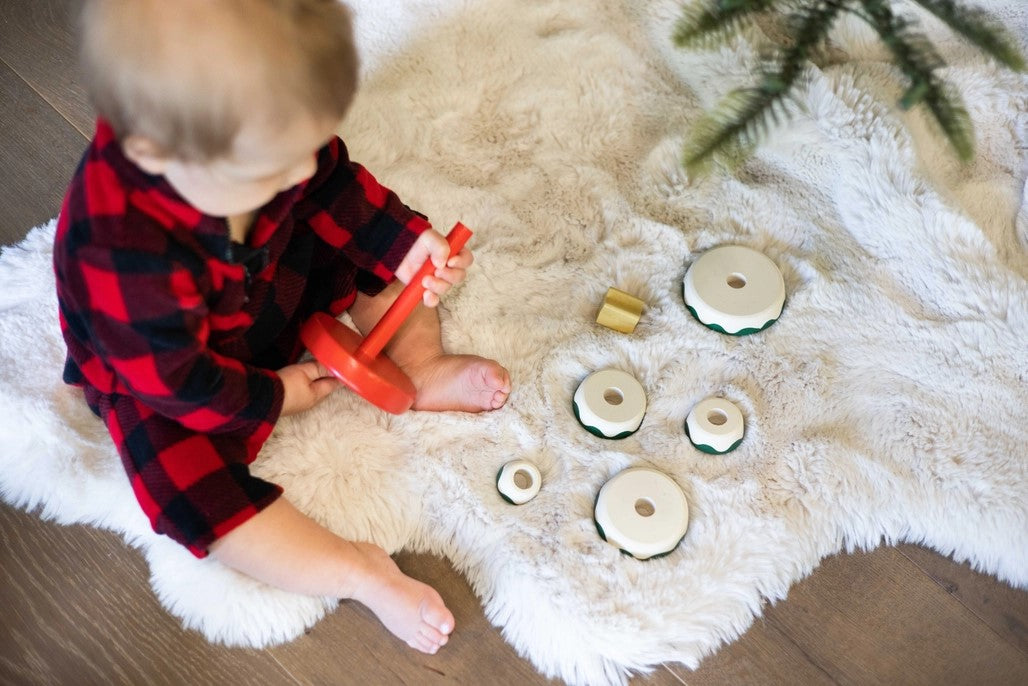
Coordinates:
(889, 403)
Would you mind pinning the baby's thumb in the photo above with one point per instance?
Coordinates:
(324, 386)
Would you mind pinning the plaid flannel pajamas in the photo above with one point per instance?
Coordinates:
(174, 331)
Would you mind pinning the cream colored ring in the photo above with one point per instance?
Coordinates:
(642, 511)
(715, 426)
(610, 403)
(518, 481)
(734, 290)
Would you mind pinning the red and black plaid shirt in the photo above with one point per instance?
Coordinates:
(174, 331)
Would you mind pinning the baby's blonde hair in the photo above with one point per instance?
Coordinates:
(186, 74)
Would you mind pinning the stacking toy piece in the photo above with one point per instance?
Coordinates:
(518, 481)
(357, 362)
(620, 311)
(610, 403)
(734, 290)
(642, 511)
(715, 426)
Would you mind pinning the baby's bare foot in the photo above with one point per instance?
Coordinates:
(459, 382)
(414, 612)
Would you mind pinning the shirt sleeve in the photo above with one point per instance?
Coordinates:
(352, 212)
(146, 316)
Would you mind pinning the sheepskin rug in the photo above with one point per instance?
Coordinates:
(889, 403)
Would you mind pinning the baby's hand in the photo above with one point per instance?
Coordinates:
(450, 269)
(306, 384)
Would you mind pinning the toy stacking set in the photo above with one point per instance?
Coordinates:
(732, 289)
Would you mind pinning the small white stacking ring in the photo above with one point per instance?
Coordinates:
(643, 512)
(518, 481)
(610, 403)
(715, 426)
(734, 290)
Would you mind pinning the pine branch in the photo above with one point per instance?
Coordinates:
(704, 24)
(918, 61)
(980, 29)
(742, 118)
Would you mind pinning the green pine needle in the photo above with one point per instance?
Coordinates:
(918, 60)
(980, 29)
(704, 25)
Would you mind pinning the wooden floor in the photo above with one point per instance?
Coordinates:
(77, 608)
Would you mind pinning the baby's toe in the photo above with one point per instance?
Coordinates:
(498, 378)
(432, 636)
(424, 645)
(437, 618)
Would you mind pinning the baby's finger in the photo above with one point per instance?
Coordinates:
(436, 285)
(323, 387)
(450, 275)
(461, 260)
(430, 299)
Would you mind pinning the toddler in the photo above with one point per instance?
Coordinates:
(213, 212)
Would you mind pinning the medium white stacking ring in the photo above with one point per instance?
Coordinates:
(518, 481)
(642, 511)
(734, 290)
(610, 403)
(715, 426)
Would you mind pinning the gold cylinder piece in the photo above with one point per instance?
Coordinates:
(620, 311)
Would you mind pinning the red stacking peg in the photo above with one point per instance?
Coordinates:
(356, 361)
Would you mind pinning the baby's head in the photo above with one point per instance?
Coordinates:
(228, 99)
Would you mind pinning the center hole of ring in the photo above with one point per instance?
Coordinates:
(613, 396)
(717, 417)
(522, 479)
(736, 280)
(644, 507)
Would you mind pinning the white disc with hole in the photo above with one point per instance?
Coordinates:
(610, 403)
(734, 290)
(715, 426)
(518, 481)
(642, 511)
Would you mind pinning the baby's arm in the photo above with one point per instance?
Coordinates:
(283, 547)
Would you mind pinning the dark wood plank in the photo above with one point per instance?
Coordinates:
(38, 155)
(763, 655)
(78, 609)
(877, 618)
(38, 41)
(1003, 608)
(767, 654)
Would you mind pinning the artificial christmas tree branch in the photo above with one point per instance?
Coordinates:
(743, 117)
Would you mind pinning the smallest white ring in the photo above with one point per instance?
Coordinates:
(519, 481)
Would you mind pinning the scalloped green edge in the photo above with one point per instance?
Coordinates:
(596, 432)
(710, 450)
(740, 332)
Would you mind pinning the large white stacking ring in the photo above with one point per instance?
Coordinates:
(715, 426)
(518, 481)
(643, 512)
(734, 290)
(610, 403)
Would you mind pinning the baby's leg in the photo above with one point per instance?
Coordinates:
(444, 382)
(283, 547)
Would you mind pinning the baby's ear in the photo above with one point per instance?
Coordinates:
(146, 154)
